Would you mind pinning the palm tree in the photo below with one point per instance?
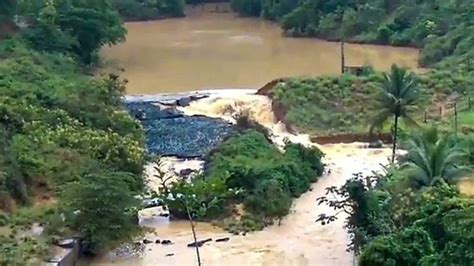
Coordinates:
(434, 158)
(397, 99)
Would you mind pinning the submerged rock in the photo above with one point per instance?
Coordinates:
(147, 241)
(376, 144)
(183, 102)
(170, 133)
(166, 242)
(185, 172)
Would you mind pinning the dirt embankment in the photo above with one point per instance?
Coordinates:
(278, 108)
(280, 111)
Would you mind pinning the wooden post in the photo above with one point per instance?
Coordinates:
(343, 59)
(425, 119)
(440, 112)
(343, 56)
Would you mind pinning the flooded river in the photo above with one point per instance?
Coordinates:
(209, 50)
(298, 241)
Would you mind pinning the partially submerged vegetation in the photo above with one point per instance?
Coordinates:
(412, 214)
(248, 170)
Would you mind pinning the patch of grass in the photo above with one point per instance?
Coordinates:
(466, 118)
(345, 104)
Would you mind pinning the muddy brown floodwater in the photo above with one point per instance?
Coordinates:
(298, 241)
(220, 50)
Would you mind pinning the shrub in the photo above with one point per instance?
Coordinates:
(248, 169)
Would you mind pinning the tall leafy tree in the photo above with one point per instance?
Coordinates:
(432, 157)
(102, 207)
(80, 27)
(397, 99)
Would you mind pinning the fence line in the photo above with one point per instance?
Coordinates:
(449, 110)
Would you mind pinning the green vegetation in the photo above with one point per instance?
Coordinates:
(443, 29)
(138, 10)
(68, 148)
(433, 158)
(248, 169)
(78, 28)
(344, 104)
(412, 214)
(397, 99)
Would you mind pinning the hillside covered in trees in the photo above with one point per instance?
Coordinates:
(443, 29)
(71, 155)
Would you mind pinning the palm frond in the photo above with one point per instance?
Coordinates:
(377, 121)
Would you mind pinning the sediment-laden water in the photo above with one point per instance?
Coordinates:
(211, 51)
(298, 241)
(208, 50)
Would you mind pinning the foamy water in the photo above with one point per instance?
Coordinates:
(230, 104)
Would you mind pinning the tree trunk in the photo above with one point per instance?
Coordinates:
(194, 234)
(395, 135)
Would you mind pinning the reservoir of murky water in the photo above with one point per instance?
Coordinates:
(208, 50)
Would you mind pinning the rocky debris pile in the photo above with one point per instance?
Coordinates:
(171, 133)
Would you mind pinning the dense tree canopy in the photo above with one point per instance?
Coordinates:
(63, 134)
(149, 9)
(80, 27)
(444, 29)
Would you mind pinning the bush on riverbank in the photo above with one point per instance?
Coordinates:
(248, 169)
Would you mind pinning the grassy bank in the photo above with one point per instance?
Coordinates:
(345, 104)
